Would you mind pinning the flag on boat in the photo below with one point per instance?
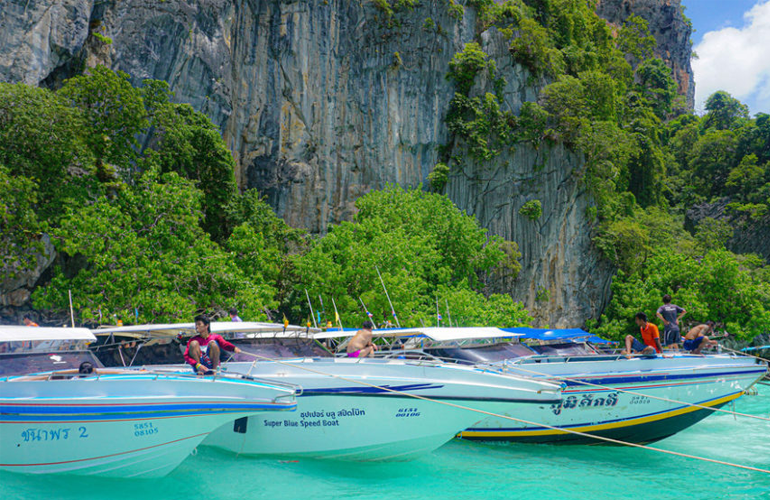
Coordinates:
(369, 314)
(440, 317)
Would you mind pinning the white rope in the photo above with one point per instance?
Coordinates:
(506, 417)
(661, 398)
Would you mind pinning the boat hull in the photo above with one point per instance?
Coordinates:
(346, 427)
(355, 415)
(621, 409)
(105, 431)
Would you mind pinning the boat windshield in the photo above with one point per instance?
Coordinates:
(563, 349)
(24, 362)
(274, 347)
(481, 354)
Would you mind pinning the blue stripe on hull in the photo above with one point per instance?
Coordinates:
(25, 413)
(610, 380)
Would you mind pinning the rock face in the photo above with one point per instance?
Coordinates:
(670, 29)
(39, 36)
(17, 283)
(322, 100)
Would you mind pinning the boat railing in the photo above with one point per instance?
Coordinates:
(155, 374)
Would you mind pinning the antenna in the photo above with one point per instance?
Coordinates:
(366, 310)
(388, 296)
(337, 315)
(311, 308)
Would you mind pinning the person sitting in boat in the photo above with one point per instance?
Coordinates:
(696, 339)
(361, 346)
(203, 350)
(650, 335)
(28, 321)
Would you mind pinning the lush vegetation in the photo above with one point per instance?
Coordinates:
(647, 158)
(425, 249)
(139, 198)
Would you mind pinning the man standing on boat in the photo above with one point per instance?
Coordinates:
(670, 314)
(361, 346)
(234, 315)
(696, 339)
(650, 336)
(203, 350)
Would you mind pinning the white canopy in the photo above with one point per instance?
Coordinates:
(251, 329)
(32, 333)
(439, 334)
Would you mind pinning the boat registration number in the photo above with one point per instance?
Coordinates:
(145, 429)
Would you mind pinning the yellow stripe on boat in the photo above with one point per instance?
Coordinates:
(600, 427)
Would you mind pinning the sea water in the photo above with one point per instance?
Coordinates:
(461, 470)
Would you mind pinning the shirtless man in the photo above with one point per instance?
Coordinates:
(360, 346)
(696, 338)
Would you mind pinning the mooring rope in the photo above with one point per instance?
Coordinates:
(742, 353)
(507, 417)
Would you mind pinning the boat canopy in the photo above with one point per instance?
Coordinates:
(444, 334)
(438, 334)
(249, 329)
(33, 333)
(556, 334)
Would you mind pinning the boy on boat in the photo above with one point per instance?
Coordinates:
(650, 335)
(361, 346)
(670, 314)
(203, 350)
(696, 339)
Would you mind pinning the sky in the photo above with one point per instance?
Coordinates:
(732, 41)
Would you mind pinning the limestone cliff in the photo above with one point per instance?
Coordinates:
(323, 100)
(671, 31)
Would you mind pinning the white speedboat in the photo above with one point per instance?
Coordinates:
(357, 409)
(606, 395)
(109, 422)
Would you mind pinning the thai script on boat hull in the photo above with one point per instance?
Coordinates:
(585, 401)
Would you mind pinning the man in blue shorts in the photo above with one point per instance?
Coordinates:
(696, 339)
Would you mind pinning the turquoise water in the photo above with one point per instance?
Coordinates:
(461, 470)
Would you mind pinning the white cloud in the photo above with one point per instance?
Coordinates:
(737, 61)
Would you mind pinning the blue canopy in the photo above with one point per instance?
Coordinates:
(556, 334)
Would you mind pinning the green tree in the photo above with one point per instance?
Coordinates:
(114, 114)
(534, 49)
(657, 86)
(146, 251)
(20, 228)
(186, 142)
(43, 139)
(711, 161)
(723, 110)
(635, 41)
(465, 65)
(419, 241)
